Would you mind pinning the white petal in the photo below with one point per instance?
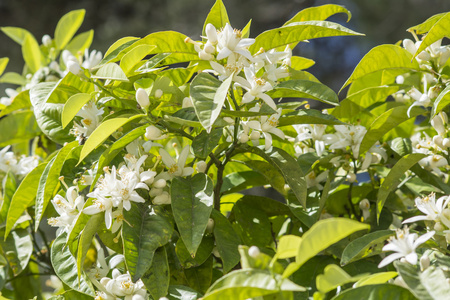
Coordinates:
(166, 158)
(388, 259)
(422, 239)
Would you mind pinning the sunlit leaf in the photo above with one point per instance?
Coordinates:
(318, 13)
(68, 26)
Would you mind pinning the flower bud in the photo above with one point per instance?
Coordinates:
(438, 226)
(400, 79)
(446, 142)
(158, 93)
(424, 56)
(438, 140)
(409, 45)
(155, 192)
(255, 135)
(438, 123)
(74, 68)
(254, 252)
(187, 102)
(424, 262)
(46, 40)
(210, 226)
(215, 252)
(351, 177)
(160, 183)
(243, 138)
(154, 133)
(164, 198)
(211, 33)
(201, 166)
(142, 98)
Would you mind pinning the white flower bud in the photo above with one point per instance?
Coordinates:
(243, 138)
(400, 79)
(160, 183)
(424, 262)
(211, 33)
(438, 123)
(409, 45)
(424, 56)
(201, 166)
(446, 142)
(446, 213)
(255, 135)
(164, 198)
(205, 56)
(210, 226)
(155, 192)
(154, 133)
(351, 177)
(74, 68)
(215, 252)
(158, 93)
(209, 48)
(438, 226)
(187, 102)
(254, 252)
(438, 140)
(46, 40)
(163, 298)
(142, 98)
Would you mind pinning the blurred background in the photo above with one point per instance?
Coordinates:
(383, 21)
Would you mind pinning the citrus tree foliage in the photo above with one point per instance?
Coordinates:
(139, 157)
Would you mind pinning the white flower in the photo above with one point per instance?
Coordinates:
(91, 59)
(91, 117)
(153, 133)
(7, 159)
(25, 165)
(267, 126)
(163, 198)
(74, 68)
(230, 41)
(142, 98)
(11, 93)
(349, 135)
(316, 132)
(68, 209)
(313, 180)
(439, 122)
(46, 40)
(121, 285)
(176, 168)
(100, 204)
(433, 210)
(405, 246)
(420, 99)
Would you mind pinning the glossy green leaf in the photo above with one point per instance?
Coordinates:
(132, 58)
(72, 107)
(150, 230)
(320, 236)
(17, 34)
(319, 13)
(288, 167)
(411, 276)
(77, 228)
(178, 292)
(217, 16)
(3, 63)
(17, 127)
(385, 122)
(304, 89)
(378, 278)
(102, 132)
(208, 95)
(442, 101)
(32, 284)
(307, 116)
(227, 241)
(204, 143)
(383, 57)
(365, 246)
(192, 203)
(202, 254)
(333, 277)
(111, 71)
(288, 246)
(200, 278)
(65, 266)
(243, 284)
(379, 291)
(22, 100)
(297, 32)
(49, 181)
(270, 174)
(81, 42)
(68, 26)
(17, 249)
(120, 42)
(13, 78)
(157, 277)
(85, 240)
(393, 178)
(438, 31)
(265, 110)
(31, 53)
(9, 187)
(24, 196)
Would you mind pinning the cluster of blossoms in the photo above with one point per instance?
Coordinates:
(68, 209)
(19, 166)
(91, 117)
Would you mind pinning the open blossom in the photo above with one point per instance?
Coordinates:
(316, 132)
(121, 285)
(255, 87)
(230, 41)
(68, 209)
(90, 120)
(176, 168)
(267, 126)
(349, 135)
(433, 210)
(404, 245)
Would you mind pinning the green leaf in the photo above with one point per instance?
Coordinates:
(72, 107)
(377, 278)
(49, 181)
(17, 249)
(411, 276)
(68, 26)
(179, 292)
(111, 71)
(102, 132)
(385, 122)
(319, 13)
(77, 228)
(128, 40)
(22, 100)
(157, 277)
(333, 277)
(304, 89)
(192, 203)
(65, 266)
(383, 57)
(217, 16)
(132, 58)
(85, 240)
(425, 26)
(151, 229)
(9, 187)
(31, 53)
(435, 281)
(307, 116)
(265, 110)
(13, 78)
(227, 241)
(379, 291)
(24, 196)
(442, 101)
(204, 143)
(17, 34)
(208, 96)
(200, 278)
(203, 252)
(320, 236)
(3, 63)
(365, 246)
(393, 178)
(438, 31)
(297, 32)
(288, 246)
(81, 42)
(17, 127)
(287, 166)
(243, 284)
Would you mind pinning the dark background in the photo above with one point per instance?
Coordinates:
(383, 21)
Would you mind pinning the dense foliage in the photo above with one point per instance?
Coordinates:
(143, 159)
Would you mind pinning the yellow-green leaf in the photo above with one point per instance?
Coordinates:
(438, 31)
(133, 57)
(319, 13)
(217, 16)
(17, 34)
(377, 278)
(31, 53)
(81, 42)
(111, 71)
(67, 27)
(3, 63)
(73, 106)
(288, 246)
